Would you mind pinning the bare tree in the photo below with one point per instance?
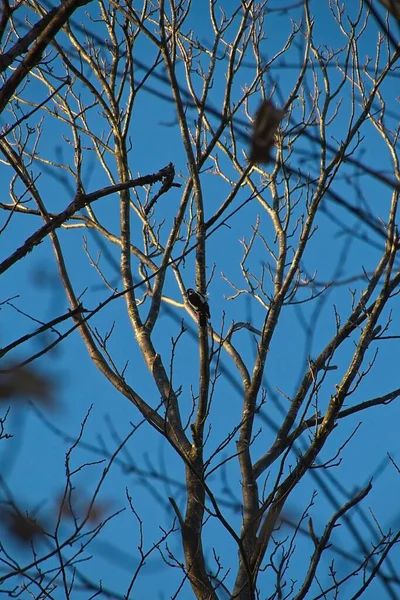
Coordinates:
(275, 127)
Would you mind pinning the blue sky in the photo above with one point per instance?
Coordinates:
(33, 461)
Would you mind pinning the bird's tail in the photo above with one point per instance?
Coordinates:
(202, 319)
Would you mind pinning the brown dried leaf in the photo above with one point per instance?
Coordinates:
(23, 383)
(82, 506)
(20, 526)
(265, 124)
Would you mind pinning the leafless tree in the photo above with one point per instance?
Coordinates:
(278, 128)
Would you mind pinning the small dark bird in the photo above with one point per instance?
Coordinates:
(199, 304)
(265, 124)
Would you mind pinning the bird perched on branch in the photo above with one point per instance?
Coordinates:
(199, 304)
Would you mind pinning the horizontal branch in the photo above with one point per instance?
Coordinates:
(80, 201)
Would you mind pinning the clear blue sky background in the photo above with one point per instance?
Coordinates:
(33, 461)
